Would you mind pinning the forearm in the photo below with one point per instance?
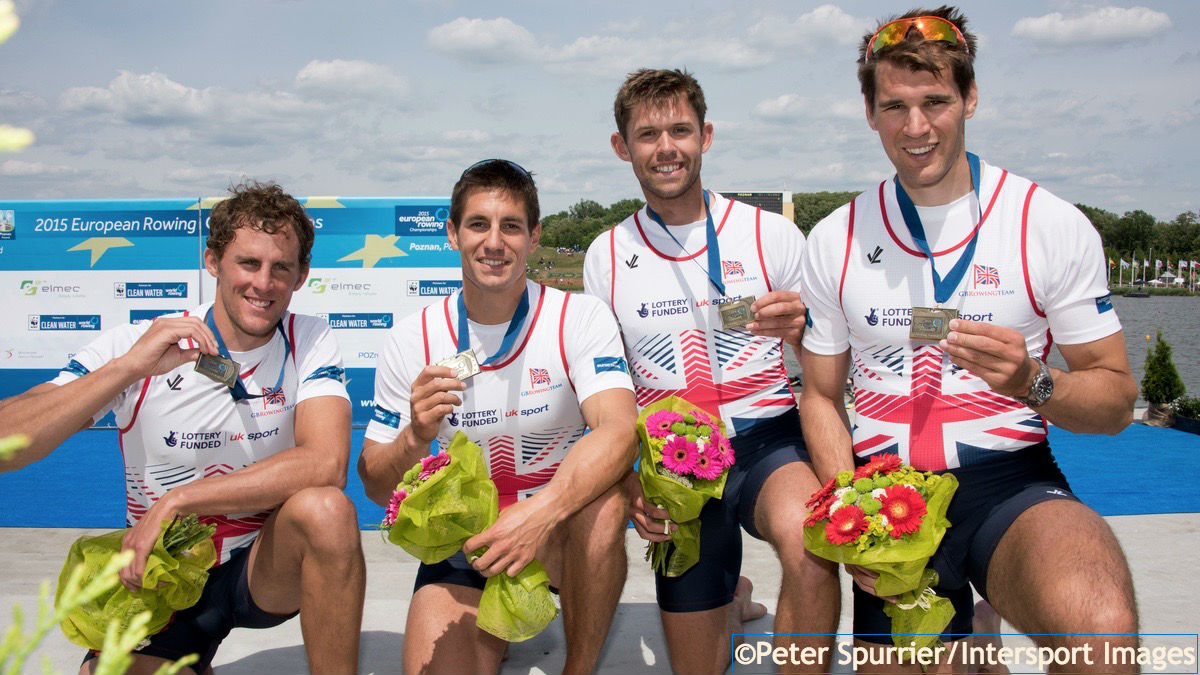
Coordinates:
(826, 434)
(260, 486)
(1091, 401)
(595, 463)
(49, 414)
(382, 465)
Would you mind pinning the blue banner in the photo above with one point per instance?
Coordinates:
(359, 319)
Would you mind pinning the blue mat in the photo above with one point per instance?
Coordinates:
(1137, 472)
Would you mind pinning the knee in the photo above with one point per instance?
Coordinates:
(325, 517)
(603, 520)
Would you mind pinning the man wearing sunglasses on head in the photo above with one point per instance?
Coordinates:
(671, 272)
(944, 286)
(543, 366)
(261, 453)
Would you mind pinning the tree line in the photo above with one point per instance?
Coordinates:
(1132, 235)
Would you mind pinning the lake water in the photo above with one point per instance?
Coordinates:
(1177, 317)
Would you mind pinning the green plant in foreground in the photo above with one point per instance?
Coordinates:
(11, 445)
(115, 659)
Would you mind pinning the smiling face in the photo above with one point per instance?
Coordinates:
(921, 121)
(494, 241)
(256, 277)
(665, 143)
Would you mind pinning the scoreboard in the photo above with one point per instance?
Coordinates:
(775, 202)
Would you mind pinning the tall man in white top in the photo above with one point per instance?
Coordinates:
(551, 366)
(943, 287)
(666, 272)
(267, 468)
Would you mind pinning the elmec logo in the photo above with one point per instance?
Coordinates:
(35, 286)
(322, 285)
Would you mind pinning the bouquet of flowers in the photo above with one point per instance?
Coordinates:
(443, 501)
(685, 457)
(176, 572)
(888, 518)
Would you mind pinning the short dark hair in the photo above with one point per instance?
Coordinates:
(259, 206)
(656, 87)
(918, 54)
(496, 174)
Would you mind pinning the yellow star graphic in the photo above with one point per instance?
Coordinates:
(100, 245)
(374, 249)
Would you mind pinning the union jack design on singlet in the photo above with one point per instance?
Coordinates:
(540, 454)
(927, 418)
(669, 313)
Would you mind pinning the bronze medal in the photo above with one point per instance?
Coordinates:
(737, 313)
(931, 324)
(218, 369)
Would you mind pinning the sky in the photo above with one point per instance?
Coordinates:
(1097, 102)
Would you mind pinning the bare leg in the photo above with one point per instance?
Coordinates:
(987, 629)
(1059, 569)
(594, 567)
(440, 635)
(309, 557)
(809, 595)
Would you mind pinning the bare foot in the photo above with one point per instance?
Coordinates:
(987, 628)
(749, 609)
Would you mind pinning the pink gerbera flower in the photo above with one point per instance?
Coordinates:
(679, 455)
(659, 424)
(431, 464)
(707, 466)
(724, 449)
(393, 507)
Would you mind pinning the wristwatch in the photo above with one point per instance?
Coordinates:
(1042, 389)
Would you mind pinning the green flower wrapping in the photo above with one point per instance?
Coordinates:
(900, 564)
(169, 583)
(454, 504)
(517, 608)
(682, 501)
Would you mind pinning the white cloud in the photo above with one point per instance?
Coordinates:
(1103, 25)
(466, 136)
(19, 168)
(785, 107)
(358, 79)
(826, 24)
(484, 40)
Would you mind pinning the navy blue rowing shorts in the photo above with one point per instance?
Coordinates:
(711, 582)
(990, 497)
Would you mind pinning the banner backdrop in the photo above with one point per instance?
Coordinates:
(70, 269)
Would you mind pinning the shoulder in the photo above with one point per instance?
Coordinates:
(832, 227)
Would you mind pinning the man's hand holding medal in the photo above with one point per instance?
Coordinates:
(433, 394)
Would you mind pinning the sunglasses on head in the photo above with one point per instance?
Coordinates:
(488, 162)
(930, 27)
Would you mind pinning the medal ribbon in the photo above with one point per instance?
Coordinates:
(510, 335)
(710, 233)
(942, 288)
(238, 391)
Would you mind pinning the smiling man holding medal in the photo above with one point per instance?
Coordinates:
(523, 370)
(235, 411)
(945, 286)
(706, 291)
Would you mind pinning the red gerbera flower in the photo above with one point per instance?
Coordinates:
(904, 509)
(821, 495)
(845, 525)
(883, 463)
(820, 513)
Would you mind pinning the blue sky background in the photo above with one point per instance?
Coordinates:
(1096, 101)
